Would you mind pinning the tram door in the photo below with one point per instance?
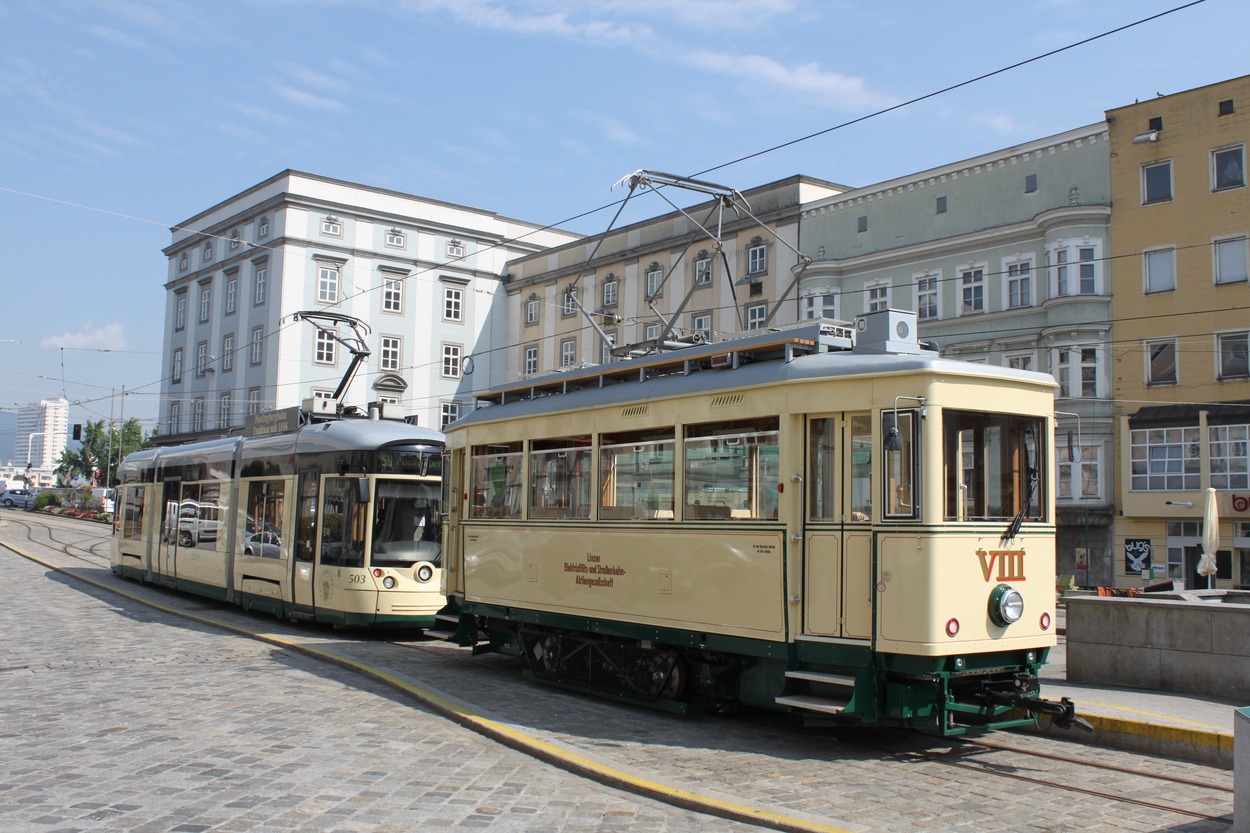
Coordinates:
(838, 554)
(304, 563)
(165, 560)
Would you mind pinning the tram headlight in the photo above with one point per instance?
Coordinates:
(1006, 605)
(424, 572)
(389, 582)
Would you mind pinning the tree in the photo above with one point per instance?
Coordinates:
(102, 449)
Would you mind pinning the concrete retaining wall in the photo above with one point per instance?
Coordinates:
(1193, 643)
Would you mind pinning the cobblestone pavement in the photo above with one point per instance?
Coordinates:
(125, 718)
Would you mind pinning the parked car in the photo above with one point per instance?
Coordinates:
(263, 544)
(104, 497)
(13, 498)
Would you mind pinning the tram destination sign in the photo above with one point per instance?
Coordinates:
(271, 423)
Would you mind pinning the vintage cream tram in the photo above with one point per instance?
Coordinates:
(336, 520)
(825, 519)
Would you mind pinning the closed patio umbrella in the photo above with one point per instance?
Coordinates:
(1210, 536)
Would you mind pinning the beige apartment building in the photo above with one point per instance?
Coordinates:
(1181, 311)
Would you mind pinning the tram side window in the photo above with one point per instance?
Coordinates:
(560, 478)
(132, 513)
(266, 504)
(495, 481)
(861, 468)
(343, 522)
(993, 466)
(822, 476)
(636, 476)
(731, 470)
(306, 517)
(899, 431)
(206, 520)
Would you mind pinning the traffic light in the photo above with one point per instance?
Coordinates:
(77, 431)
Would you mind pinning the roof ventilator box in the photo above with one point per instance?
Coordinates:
(887, 331)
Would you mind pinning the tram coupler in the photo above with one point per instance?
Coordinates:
(1062, 712)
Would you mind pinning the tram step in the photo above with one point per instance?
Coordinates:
(446, 636)
(452, 619)
(812, 704)
(820, 677)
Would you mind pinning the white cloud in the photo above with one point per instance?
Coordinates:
(544, 19)
(841, 92)
(997, 122)
(109, 337)
(614, 130)
(310, 100)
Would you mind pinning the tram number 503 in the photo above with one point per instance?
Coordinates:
(356, 578)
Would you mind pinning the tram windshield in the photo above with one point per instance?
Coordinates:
(993, 466)
(406, 525)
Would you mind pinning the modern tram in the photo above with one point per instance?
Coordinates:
(828, 519)
(335, 521)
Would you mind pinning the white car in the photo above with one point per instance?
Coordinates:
(13, 498)
(263, 544)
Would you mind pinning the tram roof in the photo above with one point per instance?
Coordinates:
(821, 349)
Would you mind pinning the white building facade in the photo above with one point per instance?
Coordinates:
(42, 435)
(422, 276)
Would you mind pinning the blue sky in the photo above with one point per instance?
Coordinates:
(121, 118)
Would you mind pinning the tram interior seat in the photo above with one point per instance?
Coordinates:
(701, 512)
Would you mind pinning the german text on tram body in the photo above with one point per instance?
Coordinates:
(863, 536)
(336, 521)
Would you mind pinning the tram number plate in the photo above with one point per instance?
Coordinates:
(356, 578)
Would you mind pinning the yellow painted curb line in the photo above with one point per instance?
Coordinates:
(565, 759)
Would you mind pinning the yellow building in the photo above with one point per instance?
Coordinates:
(1181, 312)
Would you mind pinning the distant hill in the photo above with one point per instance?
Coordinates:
(8, 437)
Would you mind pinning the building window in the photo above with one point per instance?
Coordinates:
(227, 353)
(1019, 284)
(390, 350)
(1030, 183)
(396, 239)
(392, 294)
(1226, 107)
(453, 303)
(757, 257)
(972, 290)
(1160, 271)
(327, 284)
(232, 293)
(201, 358)
(531, 310)
(927, 296)
(1228, 168)
(756, 313)
(323, 349)
(878, 297)
(175, 417)
(1165, 459)
(451, 361)
(568, 300)
(455, 248)
(1020, 361)
(258, 345)
(206, 297)
(175, 372)
(702, 270)
(262, 227)
(253, 401)
(861, 224)
(605, 348)
(1232, 356)
(258, 293)
(1230, 261)
(568, 352)
(655, 280)
(940, 205)
(197, 415)
(184, 262)
(529, 365)
(1156, 182)
(651, 332)
(1080, 478)
(1076, 370)
(208, 252)
(1161, 362)
(234, 239)
(611, 292)
(1228, 448)
(449, 412)
(701, 323)
(332, 227)
(180, 311)
(223, 411)
(820, 305)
